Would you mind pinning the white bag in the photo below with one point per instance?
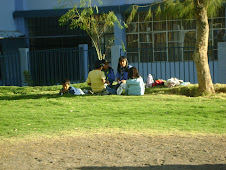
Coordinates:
(150, 81)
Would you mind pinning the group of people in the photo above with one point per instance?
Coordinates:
(102, 77)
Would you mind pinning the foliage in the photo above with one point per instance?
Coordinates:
(180, 9)
(40, 110)
(87, 17)
(27, 78)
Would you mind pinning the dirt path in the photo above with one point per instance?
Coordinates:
(118, 151)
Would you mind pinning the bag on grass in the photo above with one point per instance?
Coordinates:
(150, 81)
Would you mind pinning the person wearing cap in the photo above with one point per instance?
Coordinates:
(109, 72)
(67, 88)
(97, 79)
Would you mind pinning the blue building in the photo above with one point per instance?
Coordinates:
(162, 47)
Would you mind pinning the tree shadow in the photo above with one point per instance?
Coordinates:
(164, 167)
(37, 96)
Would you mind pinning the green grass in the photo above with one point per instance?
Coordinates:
(26, 111)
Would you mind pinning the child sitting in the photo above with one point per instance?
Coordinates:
(67, 88)
(134, 84)
(96, 79)
(109, 72)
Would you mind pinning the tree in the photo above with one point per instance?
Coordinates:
(190, 9)
(86, 17)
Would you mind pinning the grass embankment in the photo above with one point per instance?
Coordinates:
(40, 110)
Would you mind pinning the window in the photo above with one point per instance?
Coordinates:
(107, 40)
(54, 36)
(169, 40)
(62, 36)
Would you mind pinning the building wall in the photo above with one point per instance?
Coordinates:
(222, 62)
(12, 44)
(7, 8)
(185, 71)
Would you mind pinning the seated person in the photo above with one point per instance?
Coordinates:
(122, 70)
(96, 79)
(67, 88)
(122, 74)
(134, 84)
(109, 72)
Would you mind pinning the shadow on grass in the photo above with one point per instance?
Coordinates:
(37, 96)
(165, 167)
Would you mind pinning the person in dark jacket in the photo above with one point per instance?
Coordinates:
(122, 74)
(122, 70)
(109, 72)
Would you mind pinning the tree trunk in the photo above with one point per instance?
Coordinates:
(200, 54)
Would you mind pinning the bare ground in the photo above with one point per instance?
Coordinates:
(115, 151)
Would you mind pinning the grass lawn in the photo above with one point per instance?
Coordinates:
(27, 111)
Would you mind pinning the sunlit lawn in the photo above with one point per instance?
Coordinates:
(40, 110)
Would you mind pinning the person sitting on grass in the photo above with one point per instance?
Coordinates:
(122, 70)
(122, 74)
(68, 89)
(97, 79)
(134, 84)
(109, 72)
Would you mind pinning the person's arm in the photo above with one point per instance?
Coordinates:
(118, 77)
(111, 76)
(61, 92)
(103, 77)
(103, 81)
(123, 81)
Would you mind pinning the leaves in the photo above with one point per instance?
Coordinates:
(177, 9)
(132, 14)
(213, 6)
(89, 20)
(149, 15)
(158, 12)
(123, 46)
(96, 9)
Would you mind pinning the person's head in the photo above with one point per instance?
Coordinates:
(122, 62)
(133, 73)
(106, 64)
(98, 65)
(66, 84)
